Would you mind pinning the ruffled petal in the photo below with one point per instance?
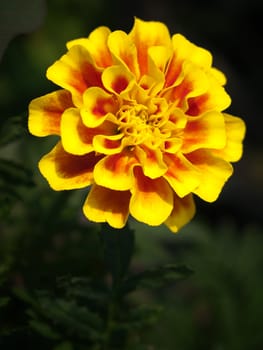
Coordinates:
(104, 205)
(98, 104)
(183, 211)
(194, 83)
(152, 199)
(96, 44)
(185, 50)
(45, 113)
(124, 51)
(118, 79)
(214, 173)
(109, 144)
(215, 98)
(181, 174)
(116, 171)
(151, 161)
(235, 133)
(205, 131)
(65, 171)
(76, 137)
(145, 35)
(75, 71)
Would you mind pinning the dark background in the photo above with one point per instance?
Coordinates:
(220, 308)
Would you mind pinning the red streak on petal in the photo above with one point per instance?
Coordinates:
(100, 108)
(197, 105)
(173, 72)
(71, 165)
(111, 143)
(120, 84)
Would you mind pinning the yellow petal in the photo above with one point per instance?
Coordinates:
(160, 55)
(151, 161)
(76, 137)
(181, 174)
(45, 113)
(183, 211)
(65, 171)
(96, 44)
(214, 173)
(148, 34)
(124, 50)
(104, 205)
(215, 98)
(194, 83)
(205, 131)
(184, 50)
(74, 134)
(118, 79)
(75, 71)
(109, 144)
(98, 104)
(152, 199)
(235, 133)
(116, 171)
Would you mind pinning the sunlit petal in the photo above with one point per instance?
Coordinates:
(152, 199)
(104, 205)
(45, 113)
(214, 173)
(183, 211)
(116, 171)
(65, 171)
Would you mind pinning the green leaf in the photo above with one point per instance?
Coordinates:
(12, 172)
(64, 346)
(118, 250)
(12, 128)
(4, 301)
(156, 277)
(44, 329)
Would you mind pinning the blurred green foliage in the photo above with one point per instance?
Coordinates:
(66, 284)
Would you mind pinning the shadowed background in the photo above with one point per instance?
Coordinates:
(220, 308)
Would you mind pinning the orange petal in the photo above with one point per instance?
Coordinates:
(145, 35)
(75, 71)
(116, 171)
(65, 171)
(96, 44)
(45, 113)
(104, 205)
(205, 131)
(183, 211)
(152, 200)
(181, 174)
(235, 133)
(151, 161)
(214, 172)
(97, 106)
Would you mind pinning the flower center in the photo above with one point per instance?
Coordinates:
(142, 124)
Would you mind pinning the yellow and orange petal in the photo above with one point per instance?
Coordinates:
(45, 113)
(104, 205)
(141, 120)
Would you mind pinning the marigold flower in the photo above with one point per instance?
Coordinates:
(140, 120)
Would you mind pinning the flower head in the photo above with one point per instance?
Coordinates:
(140, 119)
